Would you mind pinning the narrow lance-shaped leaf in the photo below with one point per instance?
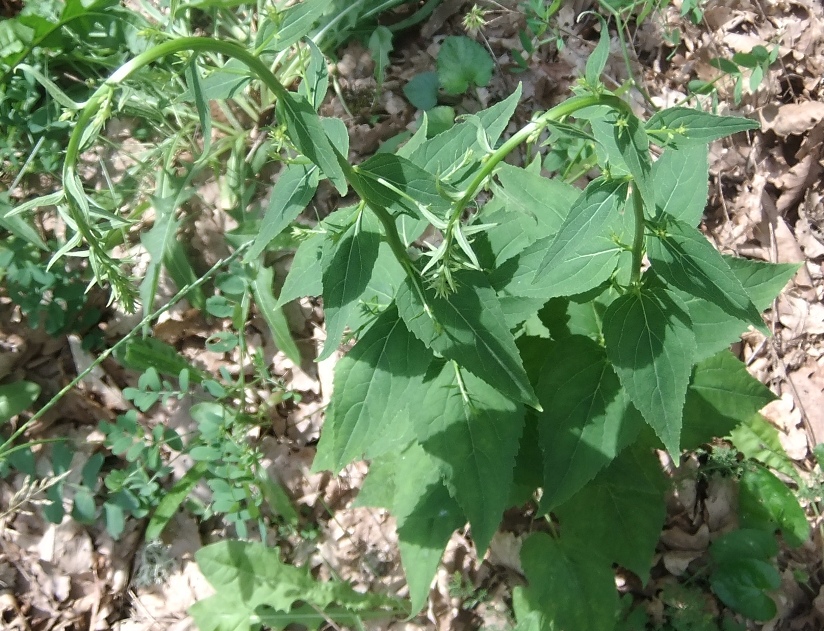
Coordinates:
(316, 77)
(587, 418)
(294, 189)
(633, 143)
(468, 326)
(685, 259)
(307, 132)
(650, 344)
(683, 127)
(472, 432)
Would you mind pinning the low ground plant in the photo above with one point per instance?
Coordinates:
(514, 339)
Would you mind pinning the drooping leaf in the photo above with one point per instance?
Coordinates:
(766, 503)
(686, 260)
(568, 588)
(680, 179)
(463, 62)
(628, 497)
(722, 395)
(587, 418)
(272, 312)
(683, 127)
(472, 433)
(372, 379)
(347, 269)
(468, 326)
(651, 345)
(294, 189)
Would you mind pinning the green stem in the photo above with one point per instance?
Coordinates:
(638, 239)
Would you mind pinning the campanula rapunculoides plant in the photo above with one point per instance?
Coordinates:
(461, 407)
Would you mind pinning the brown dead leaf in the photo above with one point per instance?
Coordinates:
(792, 118)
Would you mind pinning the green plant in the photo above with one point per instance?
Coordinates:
(462, 63)
(552, 342)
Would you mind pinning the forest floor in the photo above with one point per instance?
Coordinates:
(766, 203)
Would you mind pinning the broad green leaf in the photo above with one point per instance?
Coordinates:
(680, 179)
(408, 483)
(683, 127)
(316, 78)
(347, 269)
(629, 499)
(215, 613)
(757, 439)
(766, 503)
(743, 573)
(304, 277)
(567, 587)
(16, 397)
(651, 345)
(519, 288)
(587, 418)
(223, 82)
(468, 326)
(581, 314)
(444, 153)
(721, 396)
(380, 45)
(294, 189)
(297, 21)
(272, 312)
(307, 132)
(253, 574)
(422, 539)
(371, 380)
(596, 209)
(763, 281)
(686, 260)
(714, 329)
(422, 90)
(463, 62)
(534, 207)
(472, 432)
(389, 181)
